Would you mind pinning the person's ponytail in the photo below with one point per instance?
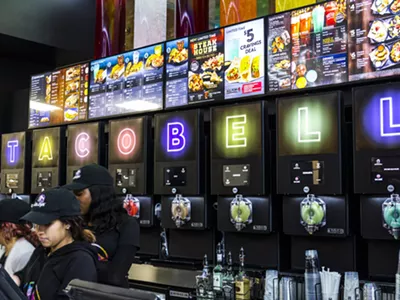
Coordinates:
(78, 231)
(88, 236)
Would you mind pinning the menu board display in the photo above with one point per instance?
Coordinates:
(244, 56)
(59, 97)
(206, 67)
(127, 83)
(308, 47)
(177, 55)
(374, 38)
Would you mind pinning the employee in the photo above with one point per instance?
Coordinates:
(17, 237)
(68, 253)
(117, 234)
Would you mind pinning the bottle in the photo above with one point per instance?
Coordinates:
(204, 288)
(218, 273)
(312, 277)
(242, 282)
(228, 280)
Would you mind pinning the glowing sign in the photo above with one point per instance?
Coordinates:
(235, 131)
(176, 140)
(82, 145)
(303, 133)
(388, 128)
(45, 151)
(12, 150)
(126, 141)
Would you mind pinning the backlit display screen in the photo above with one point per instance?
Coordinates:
(59, 97)
(46, 148)
(236, 131)
(177, 136)
(126, 140)
(13, 150)
(308, 125)
(83, 144)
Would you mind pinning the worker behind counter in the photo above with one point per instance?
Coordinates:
(117, 234)
(65, 253)
(17, 237)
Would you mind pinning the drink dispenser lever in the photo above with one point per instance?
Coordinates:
(241, 212)
(312, 213)
(391, 215)
(180, 210)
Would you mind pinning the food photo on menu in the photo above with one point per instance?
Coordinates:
(307, 47)
(244, 59)
(206, 67)
(177, 55)
(374, 38)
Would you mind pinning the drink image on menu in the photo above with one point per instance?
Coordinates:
(374, 38)
(319, 45)
(206, 67)
(244, 59)
(177, 72)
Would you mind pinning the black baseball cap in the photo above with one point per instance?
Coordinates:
(12, 210)
(53, 205)
(89, 175)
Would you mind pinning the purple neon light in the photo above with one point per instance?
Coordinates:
(175, 137)
(380, 117)
(13, 152)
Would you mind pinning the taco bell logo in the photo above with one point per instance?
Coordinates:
(40, 202)
(77, 175)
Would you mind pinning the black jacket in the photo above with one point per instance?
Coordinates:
(47, 276)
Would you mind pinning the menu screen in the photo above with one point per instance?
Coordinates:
(308, 125)
(244, 56)
(308, 47)
(127, 83)
(206, 67)
(374, 38)
(83, 144)
(177, 54)
(46, 148)
(13, 150)
(59, 97)
(176, 136)
(126, 141)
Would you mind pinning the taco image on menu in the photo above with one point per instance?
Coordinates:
(255, 67)
(233, 73)
(245, 67)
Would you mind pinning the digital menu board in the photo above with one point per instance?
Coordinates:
(45, 159)
(308, 47)
(237, 143)
(177, 156)
(374, 38)
(377, 138)
(206, 67)
(127, 83)
(244, 59)
(82, 147)
(126, 154)
(59, 97)
(308, 143)
(13, 162)
(177, 55)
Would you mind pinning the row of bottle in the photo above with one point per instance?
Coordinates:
(222, 283)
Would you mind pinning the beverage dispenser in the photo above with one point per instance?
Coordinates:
(376, 122)
(240, 181)
(128, 162)
(48, 159)
(14, 163)
(310, 176)
(84, 146)
(179, 178)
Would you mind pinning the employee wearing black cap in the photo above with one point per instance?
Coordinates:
(17, 237)
(68, 255)
(117, 234)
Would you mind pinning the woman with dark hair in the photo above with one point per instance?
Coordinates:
(17, 237)
(117, 234)
(66, 251)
